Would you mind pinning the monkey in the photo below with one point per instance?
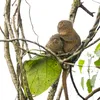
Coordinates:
(66, 41)
(71, 39)
(71, 42)
(55, 44)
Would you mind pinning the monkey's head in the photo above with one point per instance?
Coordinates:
(55, 44)
(65, 26)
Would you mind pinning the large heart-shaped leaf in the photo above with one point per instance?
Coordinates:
(41, 73)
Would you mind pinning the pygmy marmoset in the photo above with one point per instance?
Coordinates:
(55, 44)
(67, 40)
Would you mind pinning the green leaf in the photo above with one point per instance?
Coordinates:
(97, 50)
(97, 63)
(82, 83)
(41, 73)
(81, 63)
(88, 84)
(93, 80)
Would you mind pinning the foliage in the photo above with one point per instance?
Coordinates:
(82, 82)
(81, 63)
(97, 52)
(41, 73)
(90, 82)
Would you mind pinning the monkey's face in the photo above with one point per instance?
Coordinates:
(55, 44)
(64, 26)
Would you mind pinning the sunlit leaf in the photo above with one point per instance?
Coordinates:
(81, 63)
(97, 63)
(41, 73)
(88, 84)
(82, 82)
(93, 80)
(97, 50)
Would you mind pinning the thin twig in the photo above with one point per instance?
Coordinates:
(42, 55)
(53, 90)
(67, 54)
(23, 36)
(2, 31)
(48, 50)
(85, 9)
(13, 20)
(92, 93)
(59, 93)
(92, 43)
(98, 98)
(96, 1)
(72, 79)
(31, 21)
(14, 2)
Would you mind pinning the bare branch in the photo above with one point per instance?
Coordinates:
(53, 90)
(7, 52)
(48, 50)
(2, 31)
(85, 9)
(22, 33)
(59, 93)
(31, 21)
(72, 79)
(14, 2)
(98, 98)
(92, 93)
(6, 48)
(42, 55)
(96, 1)
(74, 9)
(64, 83)
(92, 43)
(17, 50)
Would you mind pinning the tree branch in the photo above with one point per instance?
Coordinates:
(96, 1)
(53, 90)
(74, 9)
(17, 50)
(85, 9)
(48, 50)
(7, 52)
(92, 93)
(31, 21)
(85, 43)
(2, 31)
(91, 35)
(59, 93)
(72, 79)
